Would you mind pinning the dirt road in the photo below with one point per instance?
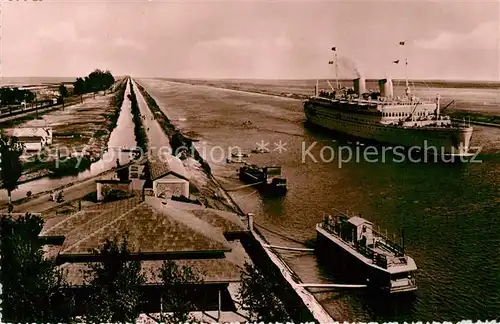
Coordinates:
(41, 202)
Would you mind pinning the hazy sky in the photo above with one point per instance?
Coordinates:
(252, 39)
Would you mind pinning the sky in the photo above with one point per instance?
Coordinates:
(252, 39)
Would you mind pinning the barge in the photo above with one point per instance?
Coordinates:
(371, 255)
(268, 179)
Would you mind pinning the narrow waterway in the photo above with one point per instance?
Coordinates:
(121, 136)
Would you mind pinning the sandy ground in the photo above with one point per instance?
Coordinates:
(77, 128)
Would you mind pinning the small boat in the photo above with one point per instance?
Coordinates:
(129, 149)
(239, 155)
(259, 150)
(354, 243)
(235, 160)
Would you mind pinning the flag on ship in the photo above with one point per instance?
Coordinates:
(401, 43)
(334, 48)
(396, 61)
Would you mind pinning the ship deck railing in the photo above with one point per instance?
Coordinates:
(381, 259)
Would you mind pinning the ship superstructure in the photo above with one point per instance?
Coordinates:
(380, 116)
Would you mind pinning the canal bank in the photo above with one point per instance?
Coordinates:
(300, 304)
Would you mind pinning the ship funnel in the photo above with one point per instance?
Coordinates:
(359, 85)
(386, 89)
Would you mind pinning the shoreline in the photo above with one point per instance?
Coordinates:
(212, 192)
(298, 307)
(484, 119)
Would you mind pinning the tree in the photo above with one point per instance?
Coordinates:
(63, 91)
(114, 285)
(29, 96)
(175, 298)
(79, 88)
(96, 81)
(257, 292)
(11, 167)
(33, 289)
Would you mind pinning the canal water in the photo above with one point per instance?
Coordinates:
(121, 136)
(449, 212)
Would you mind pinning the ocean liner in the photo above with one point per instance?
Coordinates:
(353, 241)
(380, 116)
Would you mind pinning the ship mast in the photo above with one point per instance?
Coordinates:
(406, 70)
(336, 67)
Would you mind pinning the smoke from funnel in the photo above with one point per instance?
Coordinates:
(358, 74)
(347, 68)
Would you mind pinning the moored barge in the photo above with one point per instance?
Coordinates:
(268, 178)
(381, 261)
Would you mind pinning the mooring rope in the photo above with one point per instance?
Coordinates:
(279, 234)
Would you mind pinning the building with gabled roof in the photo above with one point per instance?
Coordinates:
(167, 175)
(187, 233)
(166, 165)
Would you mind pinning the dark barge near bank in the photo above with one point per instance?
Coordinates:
(267, 179)
(366, 253)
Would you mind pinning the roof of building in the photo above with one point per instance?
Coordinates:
(164, 164)
(149, 226)
(229, 222)
(356, 221)
(209, 270)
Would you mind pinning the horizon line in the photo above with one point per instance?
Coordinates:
(264, 79)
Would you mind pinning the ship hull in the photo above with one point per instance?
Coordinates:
(452, 141)
(272, 189)
(349, 267)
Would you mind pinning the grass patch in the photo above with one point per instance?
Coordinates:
(101, 133)
(140, 134)
(71, 166)
(115, 194)
(76, 135)
(36, 165)
(111, 195)
(116, 102)
(91, 196)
